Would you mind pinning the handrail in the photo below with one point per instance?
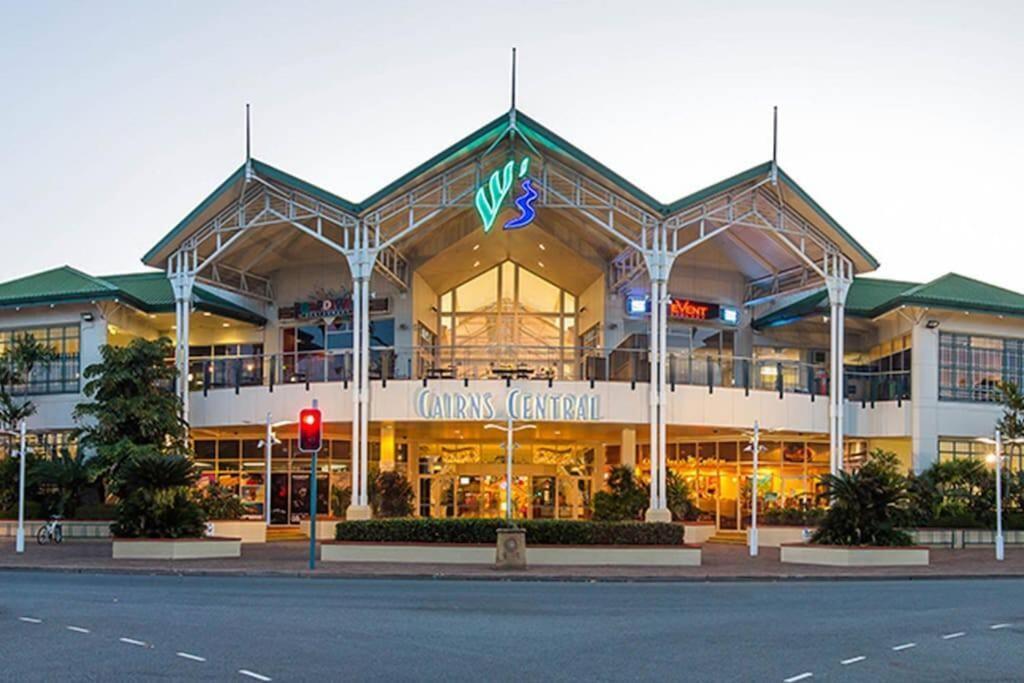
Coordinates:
(544, 363)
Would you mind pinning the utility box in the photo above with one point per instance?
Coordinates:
(511, 553)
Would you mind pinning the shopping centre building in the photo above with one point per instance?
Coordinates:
(514, 276)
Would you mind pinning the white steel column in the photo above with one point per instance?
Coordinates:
(837, 290)
(182, 282)
(364, 389)
(360, 263)
(658, 270)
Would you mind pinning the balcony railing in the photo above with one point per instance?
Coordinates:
(544, 363)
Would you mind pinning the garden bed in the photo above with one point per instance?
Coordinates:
(210, 547)
(854, 556)
(485, 531)
(774, 536)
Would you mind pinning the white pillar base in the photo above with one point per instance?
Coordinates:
(19, 540)
(358, 512)
(658, 515)
(1000, 548)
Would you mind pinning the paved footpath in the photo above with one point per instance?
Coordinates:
(720, 562)
(85, 627)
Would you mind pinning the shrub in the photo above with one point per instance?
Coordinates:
(156, 498)
(680, 498)
(626, 498)
(394, 495)
(484, 531)
(63, 481)
(390, 495)
(797, 514)
(219, 502)
(867, 506)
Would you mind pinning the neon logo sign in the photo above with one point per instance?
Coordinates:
(491, 196)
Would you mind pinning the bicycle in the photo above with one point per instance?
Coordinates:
(51, 531)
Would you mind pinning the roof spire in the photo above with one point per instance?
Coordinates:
(775, 144)
(512, 109)
(248, 142)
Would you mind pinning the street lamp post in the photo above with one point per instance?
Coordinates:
(755, 447)
(1000, 545)
(509, 430)
(19, 541)
(997, 459)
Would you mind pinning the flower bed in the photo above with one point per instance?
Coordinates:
(484, 531)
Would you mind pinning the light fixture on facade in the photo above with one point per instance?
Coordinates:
(225, 325)
(88, 317)
(475, 247)
(206, 313)
(541, 245)
(540, 263)
(932, 324)
(476, 264)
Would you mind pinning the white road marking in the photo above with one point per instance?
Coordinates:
(132, 641)
(30, 620)
(904, 646)
(78, 629)
(253, 674)
(194, 658)
(951, 636)
(853, 660)
(798, 677)
(996, 627)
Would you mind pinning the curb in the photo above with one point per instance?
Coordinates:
(506, 577)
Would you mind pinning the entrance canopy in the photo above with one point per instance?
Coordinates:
(509, 173)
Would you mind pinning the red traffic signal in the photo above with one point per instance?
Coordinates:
(311, 430)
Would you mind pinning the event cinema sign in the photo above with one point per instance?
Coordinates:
(517, 404)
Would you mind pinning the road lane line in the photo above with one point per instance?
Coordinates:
(78, 629)
(194, 658)
(951, 636)
(904, 646)
(132, 641)
(853, 660)
(30, 620)
(798, 677)
(996, 627)
(253, 674)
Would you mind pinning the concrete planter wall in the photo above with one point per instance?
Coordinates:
(620, 556)
(697, 533)
(250, 531)
(441, 553)
(325, 527)
(176, 548)
(775, 536)
(72, 528)
(409, 553)
(850, 556)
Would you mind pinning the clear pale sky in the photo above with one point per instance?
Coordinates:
(903, 119)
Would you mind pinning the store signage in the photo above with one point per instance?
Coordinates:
(685, 309)
(492, 194)
(518, 404)
(336, 307)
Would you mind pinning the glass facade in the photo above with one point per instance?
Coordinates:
(57, 376)
(960, 449)
(240, 466)
(507, 321)
(972, 366)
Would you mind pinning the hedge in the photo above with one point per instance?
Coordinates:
(484, 531)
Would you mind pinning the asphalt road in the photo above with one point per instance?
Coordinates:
(73, 627)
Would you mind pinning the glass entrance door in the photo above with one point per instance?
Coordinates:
(279, 498)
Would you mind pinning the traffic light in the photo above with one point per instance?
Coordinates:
(311, 430)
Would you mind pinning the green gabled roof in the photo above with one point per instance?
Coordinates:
(957, 291)
(871, 297)
(153, 292)
(477, 139)
(149, 292)
(64, 282)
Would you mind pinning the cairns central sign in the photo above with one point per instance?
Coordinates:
(517, 404)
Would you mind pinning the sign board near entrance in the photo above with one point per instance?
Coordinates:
(518, 404)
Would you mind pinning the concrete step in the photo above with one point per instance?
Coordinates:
(729, 537)
(285, 533)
